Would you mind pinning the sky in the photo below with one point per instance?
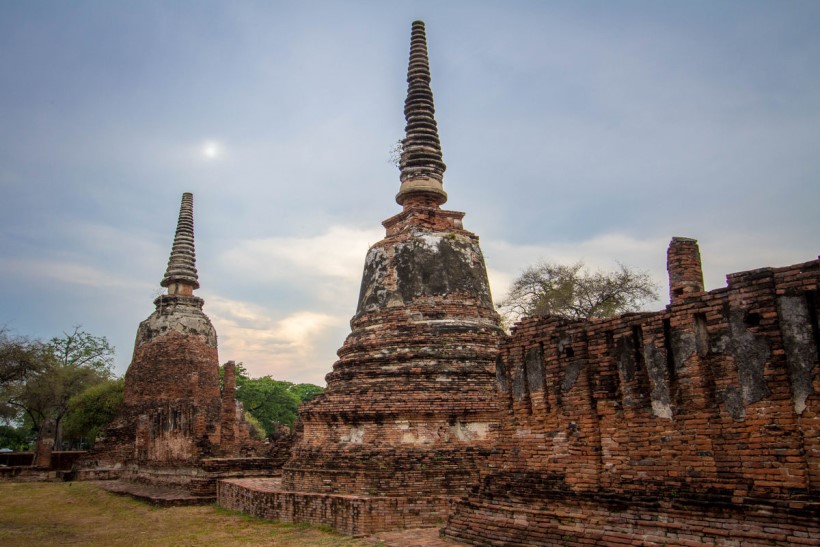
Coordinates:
(571, 131)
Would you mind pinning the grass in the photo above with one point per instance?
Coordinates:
(80, 514)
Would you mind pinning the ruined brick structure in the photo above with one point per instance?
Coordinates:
(174, 420)
(45, 444)
(697, 424)
(688, 426)
(408, 418)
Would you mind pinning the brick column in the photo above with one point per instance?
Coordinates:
(45, 444)
(683, 265)
(228, 435)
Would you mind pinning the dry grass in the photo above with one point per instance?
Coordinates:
(81, 514)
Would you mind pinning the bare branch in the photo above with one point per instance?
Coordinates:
(573, 292)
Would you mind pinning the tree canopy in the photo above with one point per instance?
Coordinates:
(19, 357)
(91, 410)
(271, 402)
(39, 379)
(80, 349)
(573, 292)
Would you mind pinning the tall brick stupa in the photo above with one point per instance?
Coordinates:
(174, 417)
(409, 414)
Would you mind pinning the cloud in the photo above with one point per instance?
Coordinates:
(297, 346)
(86, 253)
(281, 305)
(733, 252)
(337, 254)
(63, 271)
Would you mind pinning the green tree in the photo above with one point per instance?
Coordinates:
(20, 359)
(80, 349)
(92, 410)
(271, 402)
(573, 292)
(306, 392)
(65, 366)
(268, 400)
(15, 438)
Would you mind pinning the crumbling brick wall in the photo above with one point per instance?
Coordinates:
(696, 423)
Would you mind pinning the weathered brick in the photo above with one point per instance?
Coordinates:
(409, 416)
(174, 419)
(725, 424)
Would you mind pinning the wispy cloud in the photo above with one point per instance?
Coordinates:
(337, 253)
(296, 346)
(282, 304)
(64, 271)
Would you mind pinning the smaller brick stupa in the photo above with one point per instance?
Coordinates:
(176, 428)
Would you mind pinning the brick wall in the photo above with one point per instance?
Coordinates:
(61, 460)
(701, 417)
(351, 515)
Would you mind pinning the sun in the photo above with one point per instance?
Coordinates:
(211, 150)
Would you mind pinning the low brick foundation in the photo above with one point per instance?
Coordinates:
(27, 473)
(198, 480)
(515, 511)
(61, 460)
(352, 515)
(18, 466)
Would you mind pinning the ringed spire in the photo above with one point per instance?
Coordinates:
(181, 275)
(421, 163)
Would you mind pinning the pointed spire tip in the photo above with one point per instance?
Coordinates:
(181, 276)
(421, 163)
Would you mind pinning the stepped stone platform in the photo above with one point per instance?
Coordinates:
(163, 496)
(19, 473)
(352, 514)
